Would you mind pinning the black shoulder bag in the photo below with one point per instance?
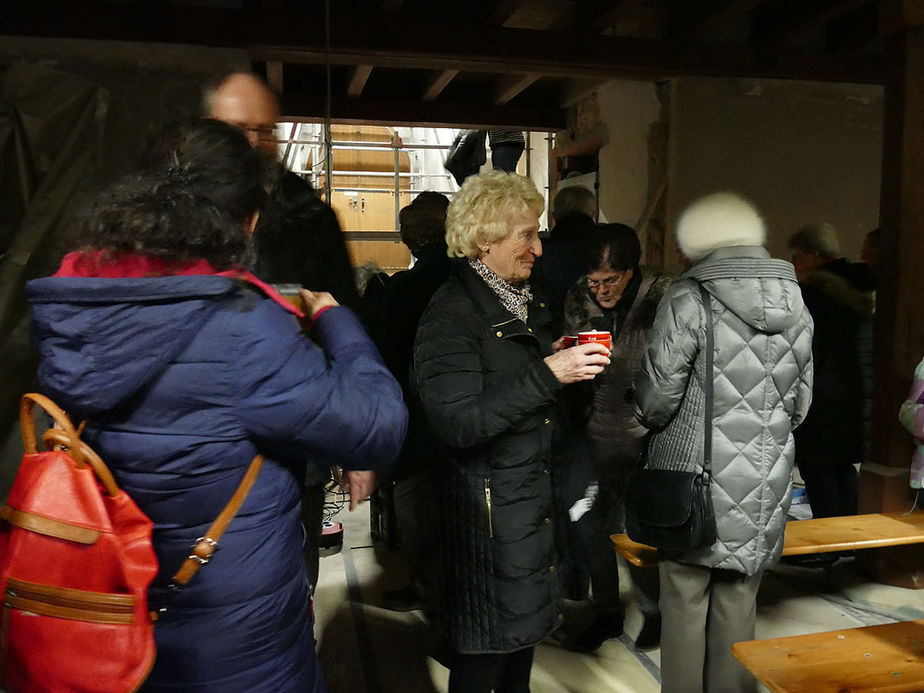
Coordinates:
(672, 509)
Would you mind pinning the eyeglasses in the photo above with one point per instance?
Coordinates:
(264, 132)
(594, 284)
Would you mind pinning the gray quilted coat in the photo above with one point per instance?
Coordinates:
(762, 390)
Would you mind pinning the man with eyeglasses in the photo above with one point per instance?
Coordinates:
(297, 241)
(618, 296)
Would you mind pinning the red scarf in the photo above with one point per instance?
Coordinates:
(105, 265)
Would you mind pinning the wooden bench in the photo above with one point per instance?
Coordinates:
(820, 535)
(887, 658)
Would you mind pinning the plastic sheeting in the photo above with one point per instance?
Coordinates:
(51, 126)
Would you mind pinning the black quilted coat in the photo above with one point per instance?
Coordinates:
(490, 399)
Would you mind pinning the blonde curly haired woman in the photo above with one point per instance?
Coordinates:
(489, 377)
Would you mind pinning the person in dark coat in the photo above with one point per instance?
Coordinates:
(618, 296)
(562, 263)
(297, 241)
(488, 381)
(840, 297)
(185, 366)
(423, 230)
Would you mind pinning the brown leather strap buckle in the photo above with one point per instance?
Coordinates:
(203, 550)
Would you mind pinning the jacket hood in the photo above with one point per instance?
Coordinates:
(102, 340)
(762, 291)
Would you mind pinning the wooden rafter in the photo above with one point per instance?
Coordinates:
(274, 76)
(391, 6)
(509, 86)
(413, 44)
(311, 107)
(711, 15)
(573, 90)
(358, 78)
(773, 27)
(437, 83)
(503, 11)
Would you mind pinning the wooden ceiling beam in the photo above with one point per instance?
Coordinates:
(274, 76)
(391, 6)
(358, 78)
(714, 14)
(508, 86)
(437, 83)
(414, 45)
(854, 31)
(310, 107)
(776, 25)
(573, 90)
(503, 11)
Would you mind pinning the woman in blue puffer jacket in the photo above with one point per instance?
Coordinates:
(185, 366)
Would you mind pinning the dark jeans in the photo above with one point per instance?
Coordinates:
(832, 489)
(482, 673)
(504, 157)
(606, 517)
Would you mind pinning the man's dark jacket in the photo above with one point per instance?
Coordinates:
(298, 241)
(490, 400)
(562, 262)
(406, 296)
(841, 302)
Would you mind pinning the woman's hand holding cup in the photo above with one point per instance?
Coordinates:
(581, 362)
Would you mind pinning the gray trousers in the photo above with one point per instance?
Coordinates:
(704, 612)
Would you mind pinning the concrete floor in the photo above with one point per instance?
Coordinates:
(366, 648)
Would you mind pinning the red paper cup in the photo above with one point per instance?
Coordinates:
(603, 338)
(568, 341)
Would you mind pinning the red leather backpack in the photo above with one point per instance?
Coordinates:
(75, 564)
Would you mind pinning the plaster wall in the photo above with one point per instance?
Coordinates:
(802, 152)
(628, 109)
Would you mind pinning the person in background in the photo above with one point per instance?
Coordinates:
(506, 149)
(488, 380)
(423, 230)
(762, 379)
(297, 241)
(618, 296)
(869, 251)
(186, 366)
(911, 416)
(840, 298)
(562, 263)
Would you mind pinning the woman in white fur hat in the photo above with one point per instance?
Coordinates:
(762, 382)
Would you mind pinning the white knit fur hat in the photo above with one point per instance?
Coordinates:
(718, 220)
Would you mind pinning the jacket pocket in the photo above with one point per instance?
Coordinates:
(68, 603)
(488, 508)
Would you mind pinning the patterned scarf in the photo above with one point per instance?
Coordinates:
(514, 298)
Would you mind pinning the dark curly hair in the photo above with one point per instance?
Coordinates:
(198, 185)
(612, 246)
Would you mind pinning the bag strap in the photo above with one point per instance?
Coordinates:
(206, 545)
(707, 383)
(68, 438)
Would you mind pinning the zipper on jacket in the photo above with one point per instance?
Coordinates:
(487, 500)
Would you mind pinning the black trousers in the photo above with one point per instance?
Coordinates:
(482, 673)
(832, 489)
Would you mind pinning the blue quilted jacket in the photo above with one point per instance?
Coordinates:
(182, 380)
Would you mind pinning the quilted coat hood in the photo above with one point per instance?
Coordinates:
(101, 340)
(762, 291)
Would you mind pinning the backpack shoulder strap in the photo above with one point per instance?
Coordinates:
(206, 545)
